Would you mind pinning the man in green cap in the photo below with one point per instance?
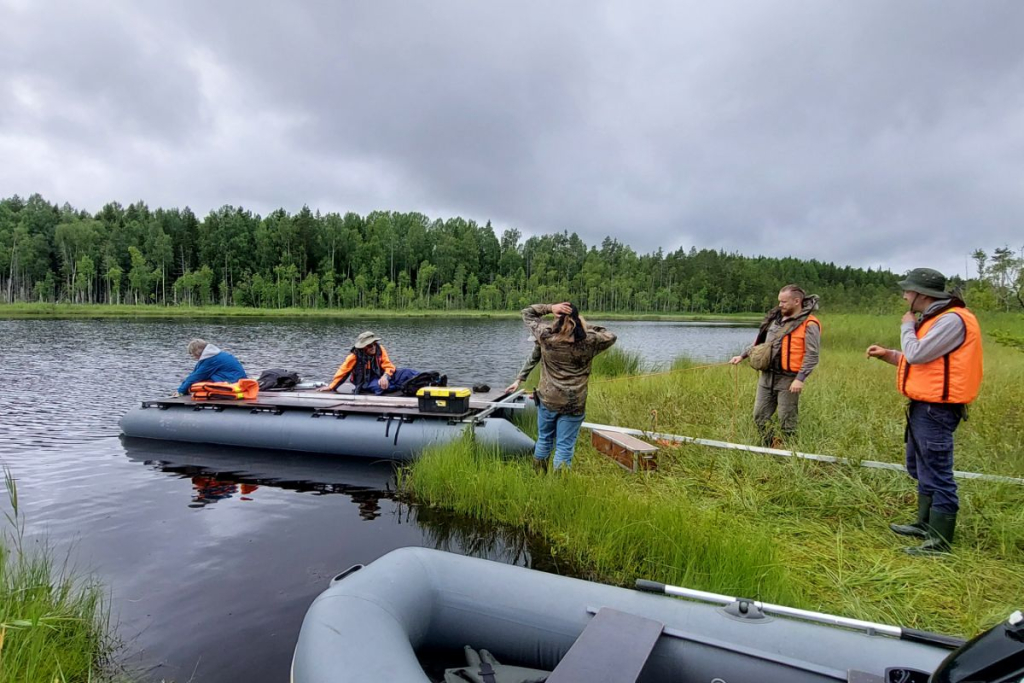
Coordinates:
(939, 371)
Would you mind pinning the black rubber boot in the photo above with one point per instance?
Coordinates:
(918, 529)
(941, 526)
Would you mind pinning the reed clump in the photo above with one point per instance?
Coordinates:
(617, 362)
(813, 535)
(53, 624)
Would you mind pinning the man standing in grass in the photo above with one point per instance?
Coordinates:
(786, 352)
(939, 370)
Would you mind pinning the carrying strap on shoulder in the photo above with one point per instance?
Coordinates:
(487, 672)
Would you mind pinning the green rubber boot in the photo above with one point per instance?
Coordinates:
(940, 535)
(918, 529)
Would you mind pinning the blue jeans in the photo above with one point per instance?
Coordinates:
(401, 376)
(557, 431)
(930, 428)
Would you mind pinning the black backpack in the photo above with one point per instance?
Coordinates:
(277, 379)
(424, 379)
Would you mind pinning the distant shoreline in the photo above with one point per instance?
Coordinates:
(80, 311)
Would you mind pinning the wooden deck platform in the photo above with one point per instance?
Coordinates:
(326, 402)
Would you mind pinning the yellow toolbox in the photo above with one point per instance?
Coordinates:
(454, 400)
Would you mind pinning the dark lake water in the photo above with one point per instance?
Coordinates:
(212, 555)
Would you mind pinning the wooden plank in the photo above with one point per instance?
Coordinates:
(613, 648)
(644, 457)
(631, 442)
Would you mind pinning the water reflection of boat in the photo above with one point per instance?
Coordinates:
(220, 472)
(376, 622)
(368, 426)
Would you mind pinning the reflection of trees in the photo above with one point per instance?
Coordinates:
(442, 529)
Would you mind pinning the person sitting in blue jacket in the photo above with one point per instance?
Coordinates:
(214, 366)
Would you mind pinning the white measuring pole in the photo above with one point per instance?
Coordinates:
(874, 464)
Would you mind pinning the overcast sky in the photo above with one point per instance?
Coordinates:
(871, 133)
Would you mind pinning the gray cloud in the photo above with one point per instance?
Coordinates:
(870, 133)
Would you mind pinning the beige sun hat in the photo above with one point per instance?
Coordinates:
(365, 339)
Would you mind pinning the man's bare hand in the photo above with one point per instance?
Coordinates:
(383, 382)
(512, 387)
(909, 317)
(736, 360)
(876, 351)
(796, 387)
(325, 388)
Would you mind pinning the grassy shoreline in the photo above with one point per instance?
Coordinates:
(808, 534)
(73, 311)
(54, 624)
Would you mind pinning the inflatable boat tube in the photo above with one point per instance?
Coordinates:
(354, 434)
(372, 623)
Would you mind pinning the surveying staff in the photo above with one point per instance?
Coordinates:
(940, 371)
(786, 352)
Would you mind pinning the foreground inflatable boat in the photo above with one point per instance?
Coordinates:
(383, 622)
(382, 427)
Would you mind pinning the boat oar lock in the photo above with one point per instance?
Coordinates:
(754, 609)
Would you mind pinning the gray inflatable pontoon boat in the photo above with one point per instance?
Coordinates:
(374, 623)
(382, 427)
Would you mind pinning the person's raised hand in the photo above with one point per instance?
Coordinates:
(876, 351)
(563, 308)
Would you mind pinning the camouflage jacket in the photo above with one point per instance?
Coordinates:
(565, 366)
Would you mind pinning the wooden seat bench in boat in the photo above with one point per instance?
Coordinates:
(629, 451)
(613, 648)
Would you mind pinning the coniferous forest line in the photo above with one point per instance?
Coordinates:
(388, 260)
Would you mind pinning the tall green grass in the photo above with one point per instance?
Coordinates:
(53, 624)
(616, 362)
(810, 534)
(616, 531)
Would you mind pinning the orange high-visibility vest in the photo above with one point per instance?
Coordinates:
(794, 345)
(952, 378)
(242, 389)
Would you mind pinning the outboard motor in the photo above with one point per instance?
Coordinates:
(995, 656)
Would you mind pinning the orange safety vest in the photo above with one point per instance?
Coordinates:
(240, 390)
(794, 345)
(952, 378)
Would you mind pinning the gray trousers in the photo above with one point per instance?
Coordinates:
(773, 393)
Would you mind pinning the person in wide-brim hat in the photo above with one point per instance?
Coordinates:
(369, 368)
(927, 281)
(939, 370)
